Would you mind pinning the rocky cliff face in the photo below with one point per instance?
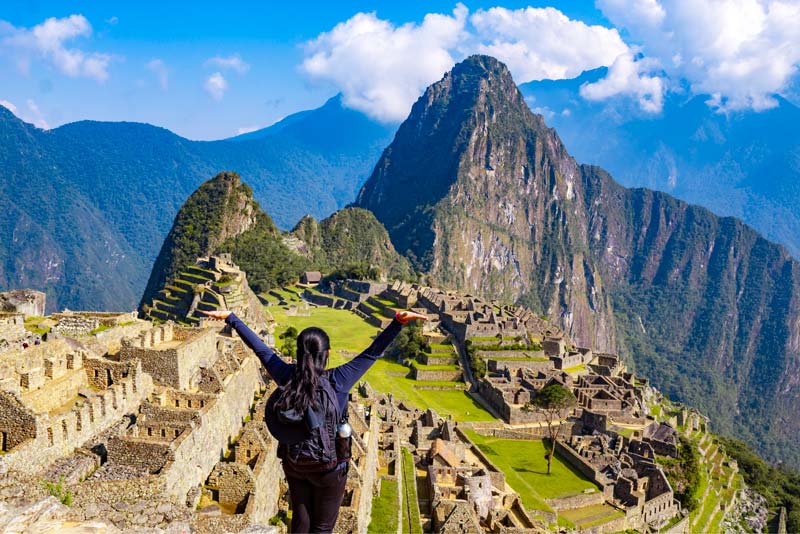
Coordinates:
(477, 191)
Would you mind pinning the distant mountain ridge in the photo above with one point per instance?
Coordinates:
(84, 207)
(743, 164)
(478, 192)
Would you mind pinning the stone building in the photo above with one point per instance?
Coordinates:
(28, 302)
(56, 396)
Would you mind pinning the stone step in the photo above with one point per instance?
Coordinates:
(199, 271)
(185, 285)
(194, 278)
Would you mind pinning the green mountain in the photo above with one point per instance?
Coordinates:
(84, 207)
(351, 237)
(223, 217)
(483, 196)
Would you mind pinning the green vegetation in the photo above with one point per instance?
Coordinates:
(409, 343)
(289, 346)
(351, 334)
(411, 521)
(384, 509)
(34, 324)
(101, 328)
(476, 363)
(590, 516)
(524, 463)
(59, 490)
(684, 474)
(779, 485)
(553, 401)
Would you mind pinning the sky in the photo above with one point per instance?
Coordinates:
(211, 70)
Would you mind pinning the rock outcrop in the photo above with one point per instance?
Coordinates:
(479, 192)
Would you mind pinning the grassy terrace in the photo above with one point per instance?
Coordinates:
(423, 367)
(384, 509)
(350, 333)
(590, 516)
(411, 522)
(525, 466)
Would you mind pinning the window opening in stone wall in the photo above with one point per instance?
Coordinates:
(50, 436)
(177, 432)
(3, 442)
(109, 378)
(64, 429)
(177, 403)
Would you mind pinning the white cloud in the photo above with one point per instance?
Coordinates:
(47, 41)
(247, 129)
(216, 85)
(36, 117)
(543, 43)
(9, 106)
(740, 52)
(159, 68)
(628, 76)
(381, 68)
(234, 63)
(113, 20)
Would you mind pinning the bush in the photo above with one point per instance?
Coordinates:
(409, 343)
(476, 363)
(59, 491)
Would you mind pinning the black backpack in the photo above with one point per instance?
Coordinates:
(308, 441)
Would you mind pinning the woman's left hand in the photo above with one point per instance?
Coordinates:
(405, 316)
(218, 314)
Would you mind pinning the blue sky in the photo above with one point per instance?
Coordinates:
(207, 70)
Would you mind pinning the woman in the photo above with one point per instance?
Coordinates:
(315, 495)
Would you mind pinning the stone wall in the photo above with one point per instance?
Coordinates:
(59, 433)
(25, 301)
(527, 363)
(446, 376)
(196, 454)
(12, 328)
(172, 360)
(585, 468)
(577, 501)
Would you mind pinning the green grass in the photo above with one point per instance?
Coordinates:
(423, 367)
(384, 509)
(577, 368)
(350, 333)
(513, 359)
(589, 516)
(101, 328)
(524, 463)
(411, 525)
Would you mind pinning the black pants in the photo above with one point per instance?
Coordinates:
(315, 498)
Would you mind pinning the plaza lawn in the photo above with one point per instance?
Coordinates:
(352, 334)
(589, 516)
(524, 463)
(384, 509)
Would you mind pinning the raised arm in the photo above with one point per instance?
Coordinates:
(347, 374)
(279, 370)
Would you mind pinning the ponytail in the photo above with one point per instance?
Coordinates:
(312, 355)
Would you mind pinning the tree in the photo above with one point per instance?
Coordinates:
(410, 342)
(289, 345)
(554, 402)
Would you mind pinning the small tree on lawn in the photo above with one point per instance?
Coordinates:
(289, 346)
(554, 402)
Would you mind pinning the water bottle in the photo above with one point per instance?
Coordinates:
(344, 430)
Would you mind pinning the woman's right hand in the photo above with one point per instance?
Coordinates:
(405, 316)
(217, 314)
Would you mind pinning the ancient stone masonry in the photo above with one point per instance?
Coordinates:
(72, 323)
(56, 396)
(212, 283)
(28, 302)
(12, 331)
(463, 490)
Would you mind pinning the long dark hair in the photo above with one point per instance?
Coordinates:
(312, 357)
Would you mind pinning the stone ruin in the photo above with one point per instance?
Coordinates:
(28, 302)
